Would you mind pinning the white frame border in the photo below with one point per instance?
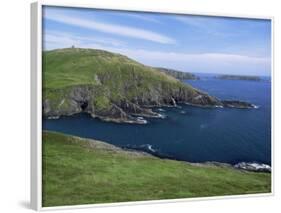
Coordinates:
(36, 103)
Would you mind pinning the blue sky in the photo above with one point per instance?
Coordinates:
(200, 44)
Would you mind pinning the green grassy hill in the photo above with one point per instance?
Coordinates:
(109, 86)
(83, 171)
(76, 66)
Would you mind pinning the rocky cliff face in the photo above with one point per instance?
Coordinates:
(112, 87)
(84, 99)
(178, 74)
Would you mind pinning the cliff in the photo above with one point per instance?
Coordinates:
(178, 74)
(111, 87)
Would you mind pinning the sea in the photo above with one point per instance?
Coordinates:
(189, 133)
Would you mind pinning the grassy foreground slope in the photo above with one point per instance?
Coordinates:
(83, 171)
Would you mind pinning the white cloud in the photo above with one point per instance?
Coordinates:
(56, 39)
(110, 28)
(144, 17)
(204, 62)
(214, 26)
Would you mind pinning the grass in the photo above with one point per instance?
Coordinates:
(76, 172)
(113, 77)
(69, 67)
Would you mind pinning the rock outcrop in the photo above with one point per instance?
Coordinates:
(254, 167)
(238, 104)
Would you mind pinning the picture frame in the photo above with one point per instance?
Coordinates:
(37, 97)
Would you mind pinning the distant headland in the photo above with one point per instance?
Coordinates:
(178, 74)
(239, 77)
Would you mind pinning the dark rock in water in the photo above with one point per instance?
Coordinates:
(238, 104)
(161, 110)
(173, 102)
(255, 167)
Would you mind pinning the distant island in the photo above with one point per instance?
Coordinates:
(239, 77)
(113, 87)
(178, 74)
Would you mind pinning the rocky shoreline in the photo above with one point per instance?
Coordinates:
(80, 100)
(147, 112)
(243, 166)
(148, 150)
(253, 166)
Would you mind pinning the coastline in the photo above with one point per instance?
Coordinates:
(243, 166)
(147, 150)
(138, 118)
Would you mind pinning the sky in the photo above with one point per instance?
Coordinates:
(198, 44)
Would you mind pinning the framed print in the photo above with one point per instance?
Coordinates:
(134, 106)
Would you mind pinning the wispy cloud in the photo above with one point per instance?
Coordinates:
(216, 58)
(204, 62)
(214, 26)
(110, 28)
(144, 17)
(194, 21)
(57, 39)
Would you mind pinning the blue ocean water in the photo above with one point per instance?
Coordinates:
(191, 133)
